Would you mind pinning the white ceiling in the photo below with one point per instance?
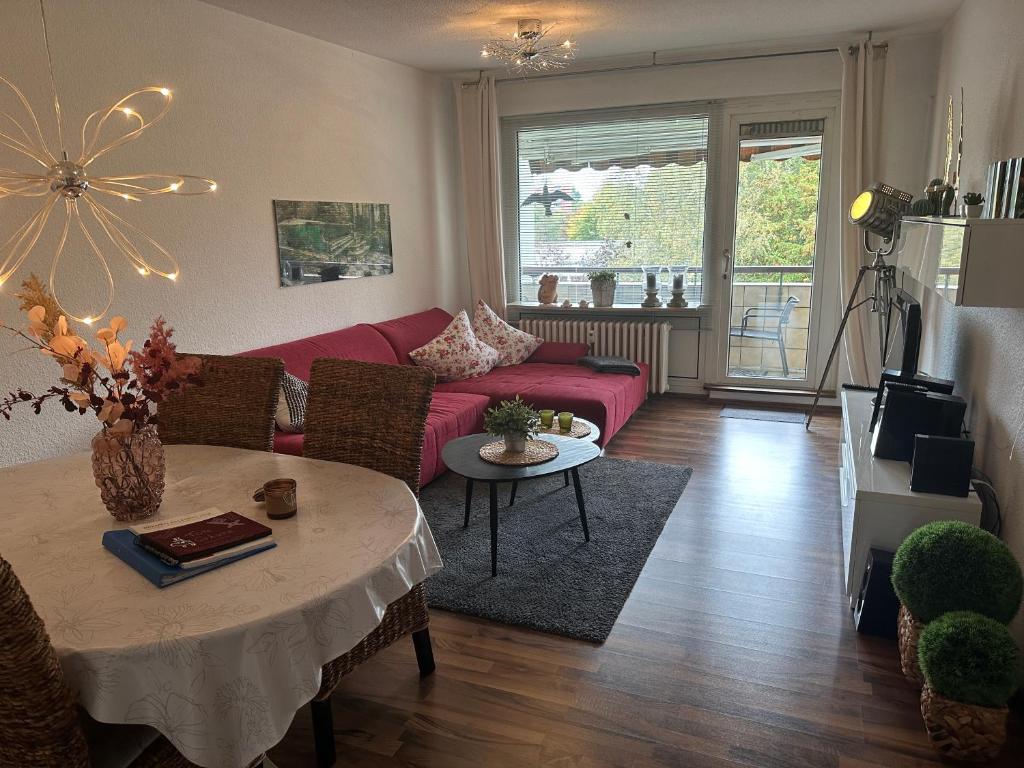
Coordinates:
(446, 35)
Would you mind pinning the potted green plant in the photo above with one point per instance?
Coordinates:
(951, 566)
(514, 421)
(972, 204)
(970, 665)
(602, 287)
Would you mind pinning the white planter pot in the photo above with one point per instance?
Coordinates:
(973, 211)
(603, 292)
(515, 443)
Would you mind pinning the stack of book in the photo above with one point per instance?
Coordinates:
(169, 551)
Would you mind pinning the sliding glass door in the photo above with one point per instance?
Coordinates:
(775, 200)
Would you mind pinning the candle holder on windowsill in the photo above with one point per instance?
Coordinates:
(651, 286)
(678, 287)
(652, 299)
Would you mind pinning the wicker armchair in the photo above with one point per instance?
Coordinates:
(39, 719)
(234, 407)
(373, 416)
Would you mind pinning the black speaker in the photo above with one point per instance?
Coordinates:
(942, 465)
(876, 608)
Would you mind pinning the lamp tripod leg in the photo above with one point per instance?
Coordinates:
(850, 306)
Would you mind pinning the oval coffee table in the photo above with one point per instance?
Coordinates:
(462, 456)
(591, 437)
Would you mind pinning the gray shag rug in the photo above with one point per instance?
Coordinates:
(549, 578)
(760, 414)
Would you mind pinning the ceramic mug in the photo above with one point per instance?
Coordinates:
(280, 497)
(565, 421)
(547, 419)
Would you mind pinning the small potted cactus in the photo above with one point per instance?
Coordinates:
(951, 566)
(970, 665)
(514, 421)
(972, 205)
(602, 287)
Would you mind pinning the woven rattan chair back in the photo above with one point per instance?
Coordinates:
(368, 414)
(234, 407)
(38, 717)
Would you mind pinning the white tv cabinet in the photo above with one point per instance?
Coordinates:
(879, 509)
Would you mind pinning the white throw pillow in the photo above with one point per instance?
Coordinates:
(456, 353)
(513, 346)
(291, 404)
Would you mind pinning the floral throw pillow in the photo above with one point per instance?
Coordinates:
(456, 353)
(513, 345)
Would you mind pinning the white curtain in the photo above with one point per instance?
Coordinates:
(863, 76)
(478, 144)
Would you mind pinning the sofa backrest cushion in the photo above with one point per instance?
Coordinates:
(413, 331)
(360, 342)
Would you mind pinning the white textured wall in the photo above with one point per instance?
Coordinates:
(983, 349)
(269, 114)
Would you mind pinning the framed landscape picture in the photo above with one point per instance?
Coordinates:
(319, 242)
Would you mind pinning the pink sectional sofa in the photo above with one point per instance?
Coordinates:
(549, 379)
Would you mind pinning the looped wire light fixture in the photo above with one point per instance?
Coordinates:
(69, 180)
(530, 49)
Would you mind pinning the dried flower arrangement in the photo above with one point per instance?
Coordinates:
(117, 384)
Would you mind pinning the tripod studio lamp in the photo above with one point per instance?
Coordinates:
(877, 210)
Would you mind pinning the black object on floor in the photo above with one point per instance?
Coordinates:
(551, 580)
(877, 607)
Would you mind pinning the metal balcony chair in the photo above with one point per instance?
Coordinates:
(768, 322)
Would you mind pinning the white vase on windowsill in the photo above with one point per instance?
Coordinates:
(603, 292)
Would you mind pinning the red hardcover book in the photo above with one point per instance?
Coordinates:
(191, 541)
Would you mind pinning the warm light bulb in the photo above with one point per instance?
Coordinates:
(143, 271)
(567, 43)
(175, 186)
(484, 54)
(213, 186)
(165, 92)
(173, 276)
(88, 320)
(128, 111)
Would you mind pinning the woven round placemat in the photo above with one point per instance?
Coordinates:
(537, 452)
(579, 429)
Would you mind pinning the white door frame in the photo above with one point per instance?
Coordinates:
(825, 295)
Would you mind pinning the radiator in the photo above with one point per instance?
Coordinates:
(643, 342)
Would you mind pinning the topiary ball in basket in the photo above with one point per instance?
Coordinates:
(970, 665)
(952, 566)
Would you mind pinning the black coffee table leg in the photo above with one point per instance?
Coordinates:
(469, 501)
(579, 502)
(566, 476)
(512, 496)
(494, 528)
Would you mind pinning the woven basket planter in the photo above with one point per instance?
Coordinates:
(963, 731)
(909, 630)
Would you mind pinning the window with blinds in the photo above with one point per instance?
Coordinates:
(613, 190)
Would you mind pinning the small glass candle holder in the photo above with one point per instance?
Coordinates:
(547, 419)
(565, 421)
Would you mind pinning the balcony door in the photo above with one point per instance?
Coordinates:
(776, 173)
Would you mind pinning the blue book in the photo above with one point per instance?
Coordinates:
(123, 543)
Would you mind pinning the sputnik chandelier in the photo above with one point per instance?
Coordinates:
(530, 49)
(73, 183)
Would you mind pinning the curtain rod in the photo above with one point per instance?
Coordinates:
(655, 64)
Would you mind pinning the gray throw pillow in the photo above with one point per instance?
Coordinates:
(610, 364)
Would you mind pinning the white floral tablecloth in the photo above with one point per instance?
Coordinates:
(220, 663)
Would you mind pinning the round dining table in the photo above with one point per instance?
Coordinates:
(219, 663)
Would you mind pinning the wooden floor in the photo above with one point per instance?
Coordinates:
(735, 648)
